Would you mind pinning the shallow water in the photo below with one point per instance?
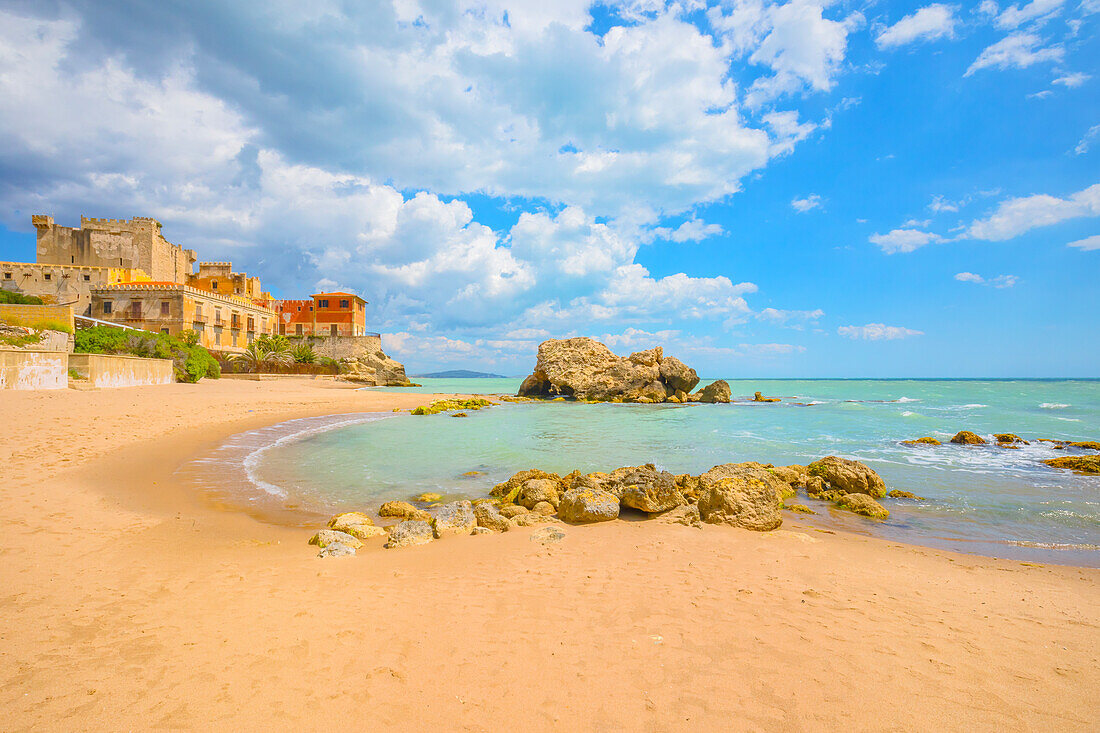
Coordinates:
(981, 499)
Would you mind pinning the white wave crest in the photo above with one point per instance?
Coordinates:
(906, 399)
(975, 405)
(1053, 406)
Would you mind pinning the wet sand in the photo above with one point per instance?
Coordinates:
(131, 602)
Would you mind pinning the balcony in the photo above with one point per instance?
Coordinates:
(198, 318)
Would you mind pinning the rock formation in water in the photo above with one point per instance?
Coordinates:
(965, 437)
(374, 369)
(587, 370)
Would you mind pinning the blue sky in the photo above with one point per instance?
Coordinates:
(765, 189)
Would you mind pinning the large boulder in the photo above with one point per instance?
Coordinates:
(863, 504)
(1079, 464)
(717, 391)
(410, 532)
(745, 501)
(511, 489)
(357, 524)
(374, 369)
(327, 537)
(849, 476)
(540, 490)
(455, 518)
(645, 488)
(403, 510)
(584, 505)
(748, 471)
(588, 370)
(489, 517)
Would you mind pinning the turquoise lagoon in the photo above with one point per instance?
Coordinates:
(981, 499)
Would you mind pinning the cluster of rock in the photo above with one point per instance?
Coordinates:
(748, 495)
(585, 369)
(1087, 464)
(374, 369)
(450, 405)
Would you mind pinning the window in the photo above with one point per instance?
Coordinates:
(320, 303)
(213, 284)
(282, 329)
(332, 330)
(165, 308)
(217, 337)
(48, 276)
(251, 324)
(87, 278)
(7, 276)
(135, 309)
(106, 307)
(345, 304)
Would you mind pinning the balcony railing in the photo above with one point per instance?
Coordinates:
(199, 318)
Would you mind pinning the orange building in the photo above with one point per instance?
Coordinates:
(327, 314)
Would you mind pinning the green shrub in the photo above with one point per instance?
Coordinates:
(304, 354)
(7, 296)
(192, 362)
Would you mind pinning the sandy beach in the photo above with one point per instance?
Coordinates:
(129, 602)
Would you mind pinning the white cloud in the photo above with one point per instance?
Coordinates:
(1015, 16)
(1088, 244)
(1073, 80)
(790, 318)
(927, 24)
(904, 240)
(877, 332)
(636, 339)
(1017, 50)
(813, 201)
(987, 8)
(940, 204)
(692, 230)
(1083, 145)
(1000, 281)
(1016, 216)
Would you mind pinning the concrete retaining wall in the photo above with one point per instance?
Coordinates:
(26, 369)
(113, 370)
(35, 315)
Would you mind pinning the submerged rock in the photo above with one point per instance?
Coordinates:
(1079, 464)
(430, 497)
(800, 508)
(410, 532)
(758, 397)
(1087, 444)
(922, 441)
(850, 476)
(863, 504)
(587, 370)
(1009, 438)
(586, 505)
(327, 537)
(898, 494)
(456, 518)
(965, 437)
(717, 391)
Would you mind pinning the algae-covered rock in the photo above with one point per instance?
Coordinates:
(403, 510)
(799, 508)
(645, 488)
(758, 397)
(539, 490)
(430, 497)
(410, 532)
(455, 518)
(1087, 444)
(749, 469)
(439, 406)
(863, 504)
(965, 437)
(922, 441)
(850, 476)
(509, 490)
(898, 494)
(1080, 464)
(586, 505)
(489, 516)
(357, 524)
(1009, 438)
(716, 391)
(744, 500)
(329, 536)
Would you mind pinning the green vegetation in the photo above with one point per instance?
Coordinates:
(74, 374)
(264, 352)
(444, 405)
(304, 354)
(8, 297)
(192, 362)
(21, 340)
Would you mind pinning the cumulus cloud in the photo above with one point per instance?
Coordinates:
(877, 332)
(1018, 50)
(1088, 244)
(811, 202)
(1000, 281)
(929, 23)
(1073, 80)
(1015, 15)
(692, 230)
(1016, 216)
(903, 240)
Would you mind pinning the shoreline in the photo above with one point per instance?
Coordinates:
(135, 602)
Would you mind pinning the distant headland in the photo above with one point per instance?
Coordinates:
(460, 374)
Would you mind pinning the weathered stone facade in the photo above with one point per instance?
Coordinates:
(124, 243)
(63, 284)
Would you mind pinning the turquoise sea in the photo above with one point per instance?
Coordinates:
(981, 499)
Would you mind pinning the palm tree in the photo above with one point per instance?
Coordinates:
(259, 354)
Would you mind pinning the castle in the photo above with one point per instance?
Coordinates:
(124, 271)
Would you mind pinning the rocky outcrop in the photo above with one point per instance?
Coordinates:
(410, 532)
(357, 524)
(645, 488)
(374, 369)
(759, 397)
(403, 510)
(456, 518)
(1009, 439)
(748, 471)
(584, 506)
(587, 370)
(717, 391)
(489, 517)
(863, 504)
(743, 501)
(965, 437)
(685, 514)
(922, 441)
(849, 476)
(327, 537)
